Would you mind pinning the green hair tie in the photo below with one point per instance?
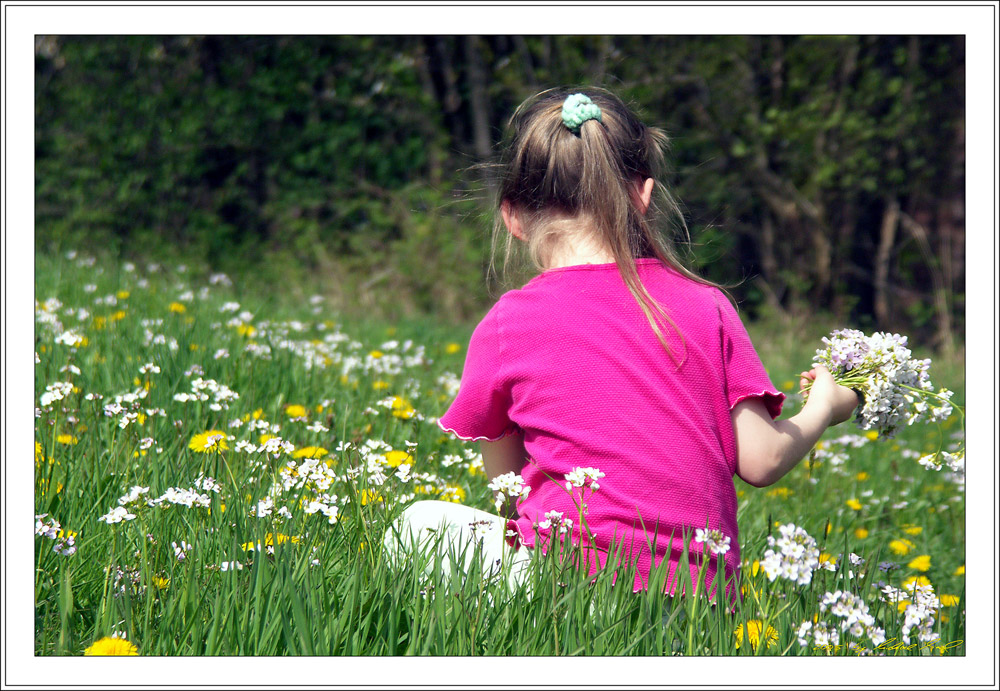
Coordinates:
(577, 109)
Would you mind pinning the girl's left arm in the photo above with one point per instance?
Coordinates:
(505, 455)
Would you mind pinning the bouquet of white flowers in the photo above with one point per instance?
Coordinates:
(894, 387)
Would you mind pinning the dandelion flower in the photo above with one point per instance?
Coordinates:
(211, 440)
(396, 458)
(402, 409)
(111, 646)
(370, 497)
(782, 492)
(921, 563)
(295, 410)
(960, 571)
(452, 348)
(310, 452)
(453, 493)
(755, 627)
(911, 529)
(901, 547)
(854, 504)
(862, 476)
(861, 533)
(177, 308)
(67, 439)
(922, 581)
(949, 600)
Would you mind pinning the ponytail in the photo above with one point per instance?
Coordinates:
(556, 168)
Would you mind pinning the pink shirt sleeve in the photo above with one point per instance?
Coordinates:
(480, 410)
(744, 372)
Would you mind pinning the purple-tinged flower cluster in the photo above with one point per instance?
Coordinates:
(896, 388)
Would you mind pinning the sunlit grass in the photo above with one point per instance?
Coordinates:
(276, 550)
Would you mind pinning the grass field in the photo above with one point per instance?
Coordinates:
(222, 463)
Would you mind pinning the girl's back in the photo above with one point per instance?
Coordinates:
(569, 360)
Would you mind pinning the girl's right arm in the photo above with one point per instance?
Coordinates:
(766, 449)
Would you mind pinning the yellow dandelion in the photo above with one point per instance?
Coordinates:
(949, 600)
(370, 497)
(310, 452)
(295, 410)
(111, 646)
(397, 458)
(752, 568)
(783, 492)
(211, 440)
(161, 583)
(67, 439)
(39, 453)
(755, 627)
(122, 295)
(375, 354)
(245, 330)
(902, 605)
(901, 547)
(177, 308)
(452, 348)
(921, 563)
(193, 347)
(861, 533)
(911, 529)
(380, 385)
(270, 540)
(862, 476)
(827, 558)
(854, 504)
(787, 385)
(401, 408)
(454, 494)
(872, 434)
(919, 580)
(99, 323)
(118, 315)
(960, 571)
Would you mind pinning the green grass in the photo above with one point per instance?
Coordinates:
(328, 589)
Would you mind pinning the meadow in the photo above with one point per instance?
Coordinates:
(215, 466)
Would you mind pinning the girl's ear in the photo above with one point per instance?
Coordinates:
(510, 219)
(644, 194)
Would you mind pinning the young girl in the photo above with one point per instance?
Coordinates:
(614, 358)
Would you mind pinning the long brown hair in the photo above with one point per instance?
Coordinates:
(553, 176)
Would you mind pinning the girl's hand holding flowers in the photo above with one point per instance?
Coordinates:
(894, 387)
(820, 388)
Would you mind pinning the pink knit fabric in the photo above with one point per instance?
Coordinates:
(571, 361)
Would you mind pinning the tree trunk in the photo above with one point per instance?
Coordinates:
(943, 337)
(477, 98)
(435, 166)
(887, 238)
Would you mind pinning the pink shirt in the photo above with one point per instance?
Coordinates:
(571, 361)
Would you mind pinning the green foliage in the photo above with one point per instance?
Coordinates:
(346, 157)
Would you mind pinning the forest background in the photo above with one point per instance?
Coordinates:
(816, 173)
